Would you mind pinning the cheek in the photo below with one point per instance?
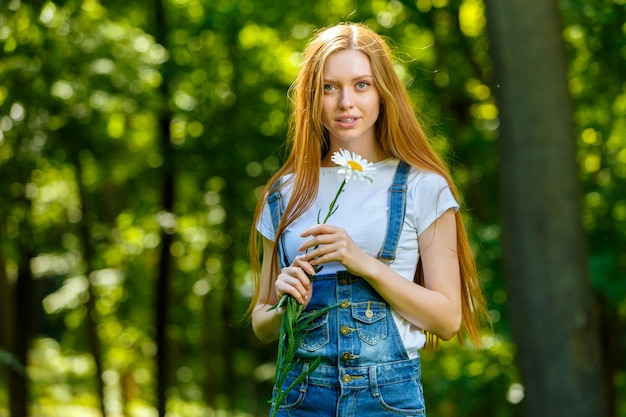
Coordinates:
(327, 111)
(375, 108)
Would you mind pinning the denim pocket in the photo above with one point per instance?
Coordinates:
(295, 397)
(317, 334)
(403, 398)
(371, 321)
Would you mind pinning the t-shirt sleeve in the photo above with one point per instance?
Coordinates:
(265, 226)
(432, 197)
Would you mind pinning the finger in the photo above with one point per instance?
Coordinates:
(306, 246)
(318, 229)
(290, 283)
(310, 231)
(301, 262)
(293, 281)
(317, 241)
(321, 259)
(283, 288)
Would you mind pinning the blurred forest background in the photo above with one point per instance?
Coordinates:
(135, 137)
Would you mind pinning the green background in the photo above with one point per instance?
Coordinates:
(135, 137)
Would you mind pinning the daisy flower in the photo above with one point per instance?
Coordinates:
(352, 164)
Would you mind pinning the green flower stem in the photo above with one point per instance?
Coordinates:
(332, 209)
(293, 330)
(294, 327)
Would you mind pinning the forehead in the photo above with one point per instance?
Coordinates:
(347, 64)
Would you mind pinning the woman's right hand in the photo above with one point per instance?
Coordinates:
(293, 280)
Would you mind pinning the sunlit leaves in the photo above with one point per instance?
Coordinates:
(71, 295)
(54, 196)
(427, 5)
(472, 18)
(388, 12)
(272, 54)
(80, 109)
(135, 235)
(58, 375)
(601, 120)
(452, 371)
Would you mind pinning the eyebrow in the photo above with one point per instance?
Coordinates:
(360, 77)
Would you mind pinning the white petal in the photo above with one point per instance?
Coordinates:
(339, 159)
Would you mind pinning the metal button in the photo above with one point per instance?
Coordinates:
(343, 281)
(349, 378)
(347, 356)
(345, 330)
(345, 304)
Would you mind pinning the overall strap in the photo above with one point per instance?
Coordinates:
(397, 210)
(275, 202)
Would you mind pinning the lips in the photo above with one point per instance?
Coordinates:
(347, 121)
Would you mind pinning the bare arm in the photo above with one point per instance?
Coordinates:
(436, 307)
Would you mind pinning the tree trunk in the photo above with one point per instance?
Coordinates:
(162, 289)
(230, 339)
(161, 305)
(92, 318)
(6, 304)
(231, 204)
(23, 325)
(7, 324)
(550, 298)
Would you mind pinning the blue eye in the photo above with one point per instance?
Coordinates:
(328, 87)
(362, 84)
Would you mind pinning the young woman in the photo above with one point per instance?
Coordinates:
(394, 256)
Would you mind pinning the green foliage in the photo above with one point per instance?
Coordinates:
(485, 379)
(81, 86)
(596, 39)
(293, 330)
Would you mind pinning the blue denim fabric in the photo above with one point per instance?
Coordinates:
(275, 201)
(364, 368)
(397, 210)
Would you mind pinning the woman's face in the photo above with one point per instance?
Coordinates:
(351, 101)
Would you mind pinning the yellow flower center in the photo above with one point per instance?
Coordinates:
(355, 166)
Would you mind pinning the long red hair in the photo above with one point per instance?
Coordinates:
(399, 132)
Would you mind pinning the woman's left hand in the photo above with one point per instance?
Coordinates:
(333, 244)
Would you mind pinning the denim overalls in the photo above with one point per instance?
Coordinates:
(364, 367)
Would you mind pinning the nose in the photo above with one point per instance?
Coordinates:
(346, 100)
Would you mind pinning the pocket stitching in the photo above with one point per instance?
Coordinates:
(379, 315)
(322, 340)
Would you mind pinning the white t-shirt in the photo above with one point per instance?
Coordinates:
(362, 210)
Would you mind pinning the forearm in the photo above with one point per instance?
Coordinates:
(266, 324)
(425, 308)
